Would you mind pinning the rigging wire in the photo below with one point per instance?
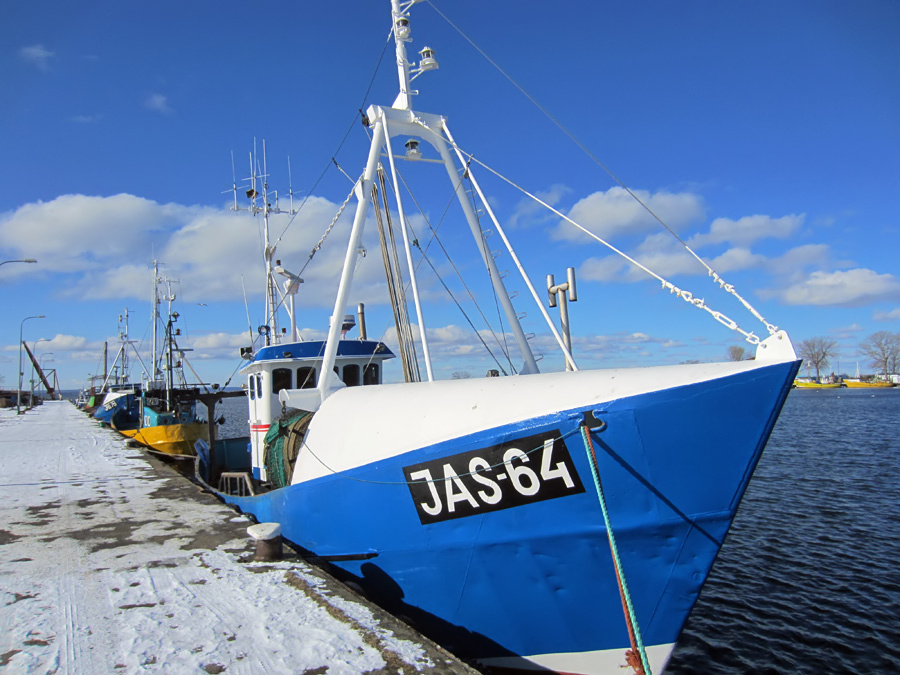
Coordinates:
(462, 311)
(685, 295)
(503, 345)
(394, 288)
(710, 271)
(343, 140)
(400, 304)
(474, 202)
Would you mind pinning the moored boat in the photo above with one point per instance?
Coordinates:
(118, 407)
(858, 383)
(115, 402)
(170, 427)
(169, 417)
(557, 521)
(809, 383)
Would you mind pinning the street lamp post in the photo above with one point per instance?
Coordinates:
(25, 260)
(19, 390)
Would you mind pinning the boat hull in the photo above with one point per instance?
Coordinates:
(527, 580)
(817, 385)
(859, 384)
(176, 440)
(119, 410)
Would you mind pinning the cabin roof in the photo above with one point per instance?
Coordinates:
(313, 349)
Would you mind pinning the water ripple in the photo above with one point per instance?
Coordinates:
(808, 580)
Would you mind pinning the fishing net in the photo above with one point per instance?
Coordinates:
(282, 445)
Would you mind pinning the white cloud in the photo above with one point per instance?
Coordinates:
(667, 258)
(63, 347)
(528, 212)
(747, 230)
(892, 315)
(76, 233)
(159, 103)
(794, 262)
(613, 212)
(37, 55)
(602, 269)
(62, 342)
(206, 346)
(735, 259)
(104, 246)
(843, 288)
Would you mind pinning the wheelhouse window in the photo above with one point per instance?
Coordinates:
(371, 374)
(351, 375)
(306, 378)
(251, 386)
(281, 379)
(259, 385)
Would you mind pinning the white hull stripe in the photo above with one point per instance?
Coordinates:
(598, 662)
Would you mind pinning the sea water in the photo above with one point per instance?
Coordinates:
(808, 580)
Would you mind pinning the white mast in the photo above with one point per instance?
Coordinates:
(396, 121)
(268, 206)
(123, 336)
(154, 317)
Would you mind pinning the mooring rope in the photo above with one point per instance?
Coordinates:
(642, 666)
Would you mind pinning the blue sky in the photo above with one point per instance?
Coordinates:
(765, 134)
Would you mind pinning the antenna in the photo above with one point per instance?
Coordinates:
(290, 185)
(234, 207)
(259, 180)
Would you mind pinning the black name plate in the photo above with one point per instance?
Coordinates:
(524, 471)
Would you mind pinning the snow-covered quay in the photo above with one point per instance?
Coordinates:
(110, 562)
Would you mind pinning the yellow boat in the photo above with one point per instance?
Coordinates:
(856, 383)
(168, 423)
(812, 384)
(175, 440)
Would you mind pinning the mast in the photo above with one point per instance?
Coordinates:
(401, 37)
(154, 319)
(268, 205)
(401, 120)
(123, 337)
(170, 361)
(363, 195)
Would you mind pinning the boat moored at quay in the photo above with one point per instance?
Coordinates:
(555, 521)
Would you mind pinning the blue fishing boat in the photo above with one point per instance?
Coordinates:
(558, 521)
(120, 407)
(116, 403)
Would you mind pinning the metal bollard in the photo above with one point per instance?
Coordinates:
(268, 541)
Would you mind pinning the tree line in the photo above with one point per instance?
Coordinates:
(882, 349)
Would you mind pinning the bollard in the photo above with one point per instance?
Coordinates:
(268, 541)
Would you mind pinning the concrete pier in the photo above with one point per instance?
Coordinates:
(111, 562)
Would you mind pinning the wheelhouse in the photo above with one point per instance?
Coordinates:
(298, 366)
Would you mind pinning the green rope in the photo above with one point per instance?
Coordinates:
(634, 631)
